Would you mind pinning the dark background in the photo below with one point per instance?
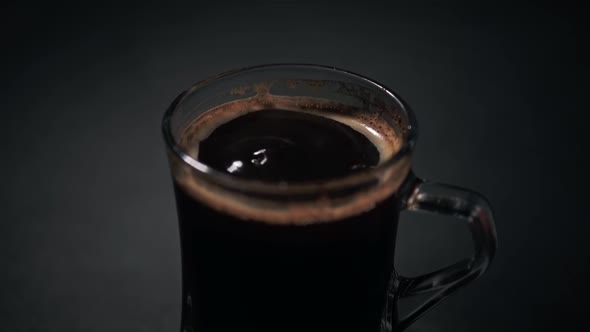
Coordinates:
(88, 234)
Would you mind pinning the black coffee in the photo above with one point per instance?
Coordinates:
(244, 274)
(287, 146)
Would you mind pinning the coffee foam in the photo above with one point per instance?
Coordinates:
(322, 209)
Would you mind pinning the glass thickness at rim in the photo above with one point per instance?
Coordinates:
(206, 171)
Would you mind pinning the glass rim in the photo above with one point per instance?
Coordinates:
(201, 168)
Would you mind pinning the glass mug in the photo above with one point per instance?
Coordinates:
(309, 255)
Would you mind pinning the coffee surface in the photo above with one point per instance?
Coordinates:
(289, 142)
(280, 145)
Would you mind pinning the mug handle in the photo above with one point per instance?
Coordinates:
(467, 205)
